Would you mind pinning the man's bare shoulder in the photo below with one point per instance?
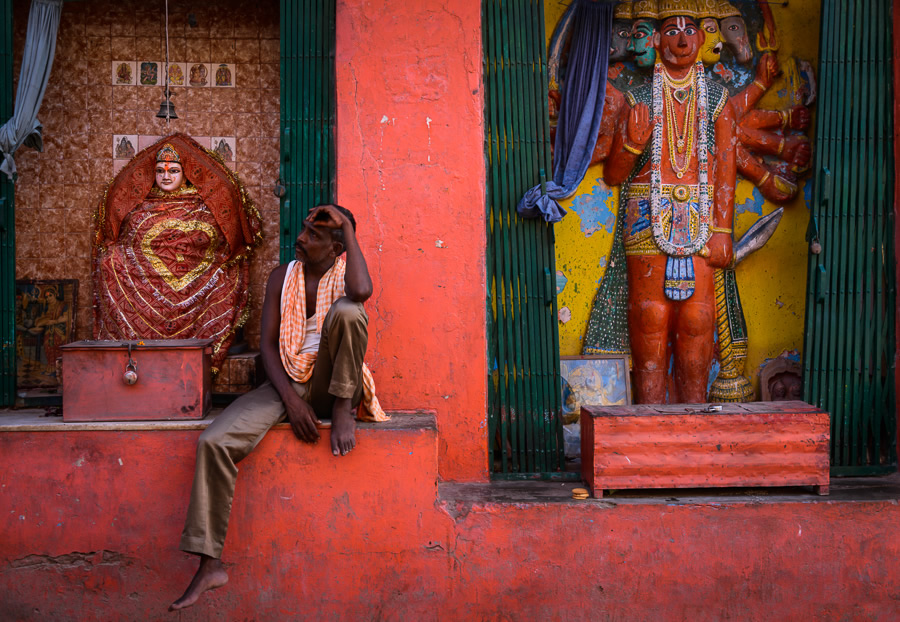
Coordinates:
(278, 273)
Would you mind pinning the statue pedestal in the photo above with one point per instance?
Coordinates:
(172, 380)
(682, 446)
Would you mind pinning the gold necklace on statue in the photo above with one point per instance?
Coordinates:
(680, 139)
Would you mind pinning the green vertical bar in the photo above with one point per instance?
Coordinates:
(307, 112)
(862, 387)
(503, 96)
(495, 311)
(515, 147)
(536, 315)
(852, 207)
(814, 334)
(7, 222)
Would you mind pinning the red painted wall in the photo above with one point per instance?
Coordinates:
(411, 167)
(90, 524)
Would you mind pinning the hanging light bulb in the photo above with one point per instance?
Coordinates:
(167, 108)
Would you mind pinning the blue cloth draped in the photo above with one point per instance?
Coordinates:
(581, 109)
(37, 61)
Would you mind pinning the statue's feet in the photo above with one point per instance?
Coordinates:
(210, 575)
(343, 427)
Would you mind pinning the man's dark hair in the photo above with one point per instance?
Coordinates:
(337, 234)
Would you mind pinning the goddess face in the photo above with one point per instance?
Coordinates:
(678, 41)
(711, 50)
(641, 43)
(618, 45)
(734, 31)
(169, 176)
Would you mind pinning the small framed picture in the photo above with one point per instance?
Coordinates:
(594, 380)
(45, 320)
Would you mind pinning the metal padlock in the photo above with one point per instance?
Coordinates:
(130, 376)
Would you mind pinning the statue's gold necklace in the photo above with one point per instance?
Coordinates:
(680, 139)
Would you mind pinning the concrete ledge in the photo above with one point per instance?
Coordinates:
(843, 490)
(34, 420)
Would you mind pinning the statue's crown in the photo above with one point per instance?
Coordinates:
(708, 8)
(673, 8)
(167, 154)
(622, 11)
(646, 9)
(726, 9)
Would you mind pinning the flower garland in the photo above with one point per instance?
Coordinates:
(664, 244)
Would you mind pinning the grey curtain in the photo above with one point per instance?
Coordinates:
(37, 61)
(583, 93)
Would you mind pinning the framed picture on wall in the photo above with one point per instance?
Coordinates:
(594, 380)
(45, 320)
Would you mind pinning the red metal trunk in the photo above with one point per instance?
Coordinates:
(681, 446)
(172, 380)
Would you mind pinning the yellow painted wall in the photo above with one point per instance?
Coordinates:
(772, 281)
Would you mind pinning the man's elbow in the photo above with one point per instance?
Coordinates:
(361, 295)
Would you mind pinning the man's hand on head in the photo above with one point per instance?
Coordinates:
(328, 216)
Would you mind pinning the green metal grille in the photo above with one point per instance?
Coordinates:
(7, 222)
(524, 425)
(850, 338)
(307, 113)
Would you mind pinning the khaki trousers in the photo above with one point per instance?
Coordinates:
(235, 432)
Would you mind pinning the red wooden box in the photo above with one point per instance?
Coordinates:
(173, 380)
(681, 446)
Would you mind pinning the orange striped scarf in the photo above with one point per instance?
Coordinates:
(293, 328)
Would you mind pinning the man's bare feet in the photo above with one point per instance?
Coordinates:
(343, 427)
(210, 575)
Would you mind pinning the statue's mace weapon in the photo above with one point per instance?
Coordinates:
(731, 385)
(766, 40)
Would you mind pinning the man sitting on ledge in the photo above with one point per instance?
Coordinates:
(314, 336)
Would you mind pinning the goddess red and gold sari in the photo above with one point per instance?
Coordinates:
(174, 265)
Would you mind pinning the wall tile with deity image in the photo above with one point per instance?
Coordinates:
(125, 146)
(178, 74)
(225, 75)
(124, 73)
(225, 146)
(199, 74)
(149, 73)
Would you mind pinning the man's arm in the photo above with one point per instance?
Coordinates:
(357, 282)
(300, 414)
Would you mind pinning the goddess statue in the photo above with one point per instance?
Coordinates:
(174, 233)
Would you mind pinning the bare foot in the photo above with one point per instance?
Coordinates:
(343, 427)
(210, 575)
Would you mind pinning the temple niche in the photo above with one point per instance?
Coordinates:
(760, 56)
(100, 110)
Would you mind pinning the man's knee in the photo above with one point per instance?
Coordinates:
(346, 312)
(211, 441)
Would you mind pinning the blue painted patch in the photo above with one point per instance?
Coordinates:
(593, 208)
(561, 281)
(807, 194)
(752, 205)
(602, 262)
